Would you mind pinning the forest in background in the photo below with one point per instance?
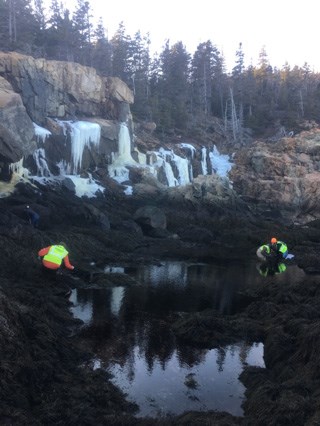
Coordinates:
(175, 89)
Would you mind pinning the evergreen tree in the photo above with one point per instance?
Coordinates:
(155, 95)
(39, 14)
(40, 35)
(160, 76)
(238, 69)
(139, 64)
(19, 25)
(101, 53)
(121, 44)
(307, 105)
(174, 83)
(248, 93)
(82, 27)
(56, 14)
(264, 102)
(4, 25)
(205, 69)
(60, 35)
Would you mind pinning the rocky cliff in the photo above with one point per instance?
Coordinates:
(42, 92)
(281, 180)
(278, 180)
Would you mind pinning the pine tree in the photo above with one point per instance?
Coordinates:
(120, 44)
(39, 14)
(174, 81)
(59, 35)
(4, 25)
(207, 80)
(139, 64)
(101, 52)
(19, 24)
(238, 69)
(82, 27)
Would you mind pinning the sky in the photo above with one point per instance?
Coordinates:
(288, 30)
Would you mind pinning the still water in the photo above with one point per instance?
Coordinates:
(133, 343)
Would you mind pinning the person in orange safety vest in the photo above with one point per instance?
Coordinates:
(54, 255)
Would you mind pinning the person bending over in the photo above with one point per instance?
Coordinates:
(54, 255)
(276, 250)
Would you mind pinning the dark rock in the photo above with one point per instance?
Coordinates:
(49, 380)
(69, 185)
(150, 217)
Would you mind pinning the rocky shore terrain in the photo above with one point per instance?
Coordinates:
(44, 380)
(271, 190)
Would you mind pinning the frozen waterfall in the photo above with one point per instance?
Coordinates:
(82, 134)
(168, 167)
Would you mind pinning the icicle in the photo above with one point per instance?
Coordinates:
(190, 147)
(82, 134)
(183, 169)
(124, 147)
(182, 165)
(64, 168)
(204, 160)
(220, 163)
(18, 169)
(41, 133)
(39, 156)
(117, 169)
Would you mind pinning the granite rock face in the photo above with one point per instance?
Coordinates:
(61, 89)
(42, 92)
(281, 179)
(16, 129)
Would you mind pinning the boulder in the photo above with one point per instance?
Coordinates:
(150, 218)
(16, 128)
(118, 90)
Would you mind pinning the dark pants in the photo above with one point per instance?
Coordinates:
(57, 277)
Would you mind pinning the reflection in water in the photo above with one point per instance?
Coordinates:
(117, 294)
(269, 269)
(136, 345)
(171, 273)
(81, 308)
(165, 388)
(114, 270)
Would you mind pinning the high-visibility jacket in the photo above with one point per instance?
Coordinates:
(53, 257)
(265, 248)
(282, 248)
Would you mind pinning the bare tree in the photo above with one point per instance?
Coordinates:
(12, 22)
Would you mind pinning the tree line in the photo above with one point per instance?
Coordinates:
(175, 89)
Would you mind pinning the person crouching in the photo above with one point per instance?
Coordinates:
(54, 255)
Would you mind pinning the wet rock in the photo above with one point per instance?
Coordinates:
(48, 380)
(151, 218)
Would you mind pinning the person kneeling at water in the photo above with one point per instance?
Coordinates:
(52, 261)
(54, 255)
(274, 250)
